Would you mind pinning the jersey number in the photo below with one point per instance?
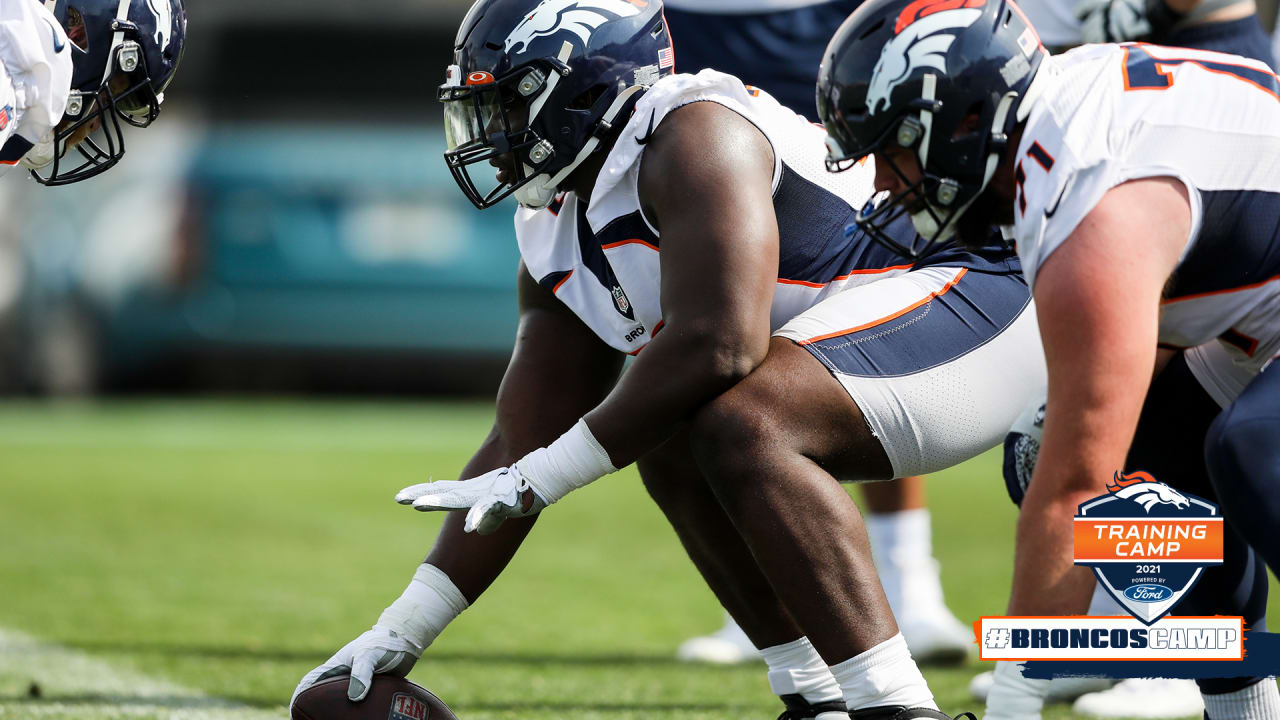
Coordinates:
(1142, 71)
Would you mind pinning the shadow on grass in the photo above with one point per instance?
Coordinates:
(317, 656)
(163, 702)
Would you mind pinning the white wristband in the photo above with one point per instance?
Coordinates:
(1014, 697)
(421, 613)
(574, 460)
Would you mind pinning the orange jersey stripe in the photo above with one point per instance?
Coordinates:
(888, 318)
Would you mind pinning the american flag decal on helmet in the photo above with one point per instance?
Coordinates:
(666, 58)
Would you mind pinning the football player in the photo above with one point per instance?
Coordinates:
(1139, 185)
(1222, 25)
(777, 47)
(689, 221)
(71, 71)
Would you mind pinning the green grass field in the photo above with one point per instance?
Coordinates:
(227, 547)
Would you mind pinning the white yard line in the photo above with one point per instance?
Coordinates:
(73, 685)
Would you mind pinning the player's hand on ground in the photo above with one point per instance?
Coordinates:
(379, 650)
(488, 499)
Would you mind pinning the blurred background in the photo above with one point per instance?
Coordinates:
(286, 237)
(291, 226)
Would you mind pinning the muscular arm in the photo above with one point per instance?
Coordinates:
(1098, 301)
(559, 369)
(706, 181)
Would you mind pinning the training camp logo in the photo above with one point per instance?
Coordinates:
(1147, 543)
(163, 13)
(580, 17)
(923, 34)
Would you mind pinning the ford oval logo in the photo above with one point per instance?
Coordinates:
(1148, 593)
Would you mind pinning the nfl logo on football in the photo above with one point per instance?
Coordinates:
(407, 707)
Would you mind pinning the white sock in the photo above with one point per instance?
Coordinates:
(885, 675)
(902, 548)
(796, 668)
(1259, 701)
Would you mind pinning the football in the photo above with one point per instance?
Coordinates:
(390, 698)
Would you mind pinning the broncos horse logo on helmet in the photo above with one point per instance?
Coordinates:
(1145, 490)
(536, 87)
(580, 17)
(945, 80)
(124, 55)
(922, 40)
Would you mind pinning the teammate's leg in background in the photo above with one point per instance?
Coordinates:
(898, 524)
(1243, 458)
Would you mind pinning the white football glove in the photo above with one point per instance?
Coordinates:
(1108, 21)
(488, 499)
(402, 632)
(1014, 697)
(379, 650)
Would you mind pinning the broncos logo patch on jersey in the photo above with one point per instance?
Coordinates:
(924, 33)
(579, 17)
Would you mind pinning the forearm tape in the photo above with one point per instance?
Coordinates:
(574, 460)
(429, 604)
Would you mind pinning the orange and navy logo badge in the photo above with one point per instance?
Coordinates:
(1147, 543)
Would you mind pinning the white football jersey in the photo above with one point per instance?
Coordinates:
(35, 77)
(602, 261)
(1114, 113)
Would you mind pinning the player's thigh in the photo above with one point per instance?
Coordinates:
(789, 407)
(940, 361)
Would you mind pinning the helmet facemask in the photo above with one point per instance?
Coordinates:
(489, 120)
(91, 126)
(937, 203)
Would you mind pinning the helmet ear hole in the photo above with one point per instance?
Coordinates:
(75, 29)
(970, 125)
(587, 100)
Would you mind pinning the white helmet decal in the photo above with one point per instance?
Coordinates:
(164, 22)
(580, 17)
(922, 43)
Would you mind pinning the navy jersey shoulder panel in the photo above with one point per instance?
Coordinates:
(624, 228)
(819, 240)
(813, 243)
(553, 279)
(997, 256)
(1238, 244)
(13, 150)
(594, 259)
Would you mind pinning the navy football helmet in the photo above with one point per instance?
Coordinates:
(536, 86)
(916, 74)
(125, 53)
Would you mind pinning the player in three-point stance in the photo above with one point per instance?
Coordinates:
(689, 220)
(71, 71)
(1140, 184)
